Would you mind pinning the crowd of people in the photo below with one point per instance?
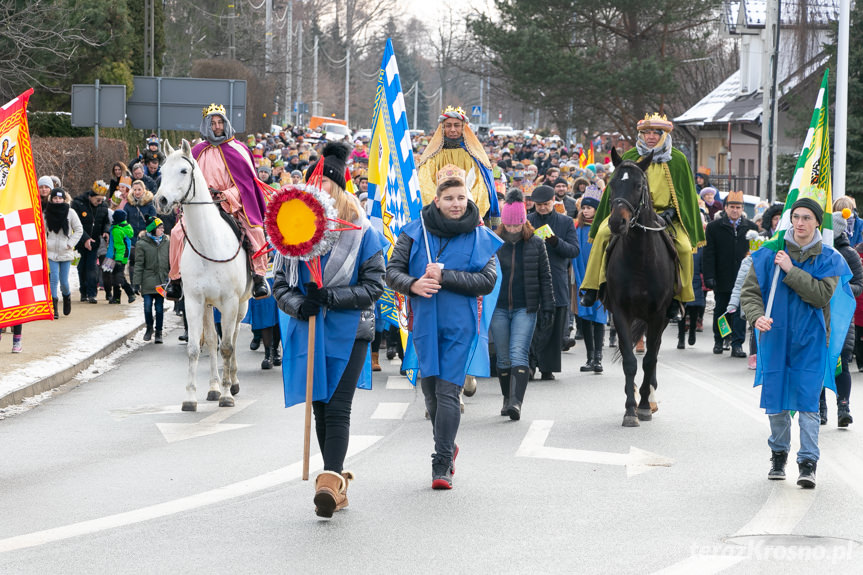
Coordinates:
(526, 207)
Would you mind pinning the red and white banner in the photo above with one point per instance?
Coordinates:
(24, 288)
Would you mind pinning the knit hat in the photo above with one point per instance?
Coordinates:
(335, 156)
(840, 224)
(592, 196)
(296, 173)
(152, 223)
(46, 181)
(265, 168)
(513, 212)
(707, 190)
(119, 217)
(542, 194)
(57, 192)
(811, 205)
(561, 181)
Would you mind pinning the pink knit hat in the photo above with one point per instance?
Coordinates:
(513, 212)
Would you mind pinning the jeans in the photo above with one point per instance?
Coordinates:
(149, 301)
(512, 330)
(88, 273)
(333, 419)
(442, 403)
(780, 434)
(59, 273)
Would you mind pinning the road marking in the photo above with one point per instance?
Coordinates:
(211, 424)
(637, 461)
(121, 414)
(269, 480)
(398, 382)
(701, 564)
(390, 410)
(785, 508)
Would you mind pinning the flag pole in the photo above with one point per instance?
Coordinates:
(769, 309)
(310, 378)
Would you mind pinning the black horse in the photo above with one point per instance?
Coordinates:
(641, 278)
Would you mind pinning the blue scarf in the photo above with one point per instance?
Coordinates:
(158, 239)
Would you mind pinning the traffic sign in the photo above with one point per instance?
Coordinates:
(476, 110)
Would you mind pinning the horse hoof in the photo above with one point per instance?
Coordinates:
(235, 389)
(644, 414)
(630, 421)
(226, 402)
(213, 395)
(190, 406)
(654, 407)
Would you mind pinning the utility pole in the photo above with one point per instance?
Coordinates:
(348, 86)
(268, 51)
(481, 82)
(300, 70)
(841, 120)
(767, 175)
(416, 101)
(148, 47)
(289, 103)
(232, 16)
(315, 110)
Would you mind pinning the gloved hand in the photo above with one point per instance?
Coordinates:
(668, 216)
(308, 309)
(551, 241)
(546, 320)
(136, 289)
(710, 283)
(316, 294)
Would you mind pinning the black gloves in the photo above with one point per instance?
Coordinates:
(551, 241)
(668, 216)
(308, 309)
(546, 320)
(710, 283)
(316, 294)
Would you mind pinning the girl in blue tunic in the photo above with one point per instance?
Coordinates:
(352, 282)
(443, 261)
(591, 320)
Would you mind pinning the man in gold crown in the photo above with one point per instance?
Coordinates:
(230, 173)
(454, 143)
(674, 198)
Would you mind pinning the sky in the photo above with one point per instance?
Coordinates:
(429, 11)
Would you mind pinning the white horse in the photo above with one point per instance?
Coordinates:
(214, 269)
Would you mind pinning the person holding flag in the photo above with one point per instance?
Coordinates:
(797, 296)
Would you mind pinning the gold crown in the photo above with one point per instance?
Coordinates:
(655, 121)
(453, 112)
(450, 172)
(100, 187)
(215, 109)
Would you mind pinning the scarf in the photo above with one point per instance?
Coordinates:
(452, 144)
(57, 217)
(207, 131)
(512, 238)
(436, 223)
(662, 151)
(157, 239)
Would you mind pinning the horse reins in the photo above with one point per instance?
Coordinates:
(636, 212)
(192, 188)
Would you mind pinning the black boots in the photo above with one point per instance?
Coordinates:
(777, 469)
(261, 288)
(56, 311)
(673, 311)
(67, 304)
(681, 339)
(148, 333)
(806, 479)
(503, 376)
(597, 360)
(267, 363)
(588, 298)
(158, 337)
(844, 413)
(588, 365)
(276, 354)
(822, 410)
(517, 387)
(175, 290)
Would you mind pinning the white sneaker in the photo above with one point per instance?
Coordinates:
(16, 346)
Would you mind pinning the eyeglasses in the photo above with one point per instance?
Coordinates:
(654, 132)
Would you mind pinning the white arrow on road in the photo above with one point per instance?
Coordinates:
(636, 461)
(211, 424)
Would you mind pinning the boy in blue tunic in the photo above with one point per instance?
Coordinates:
(794, 348)
(443, 261)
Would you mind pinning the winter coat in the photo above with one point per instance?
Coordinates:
(60, 246)
(152, 263)
(137, 212)
(726, 247)
(697, 283)
(560, 255)
(120, 243)
(95, 221)
(525, 263)
(842, 244)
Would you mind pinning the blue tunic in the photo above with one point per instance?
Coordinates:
(448, 336)
(596, 312)
(794, 358)
(335, 333)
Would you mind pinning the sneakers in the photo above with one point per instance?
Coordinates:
(806, 479)
(454, 455)
(752, 363)
(442, 471)
(16, 344)
(777, 471)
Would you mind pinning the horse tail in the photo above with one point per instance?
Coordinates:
(638, 329)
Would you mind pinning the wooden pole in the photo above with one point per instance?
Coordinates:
(310, 379)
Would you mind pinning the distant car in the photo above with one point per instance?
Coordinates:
(504, 131)
(335, 132)
(415, 133)
(364, 134)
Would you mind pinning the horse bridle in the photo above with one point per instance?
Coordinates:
(193, 188)
(636, 211)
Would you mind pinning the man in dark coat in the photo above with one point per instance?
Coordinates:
(562, 246)
(726, 247)
(94, 219)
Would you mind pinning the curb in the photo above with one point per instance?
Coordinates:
(65, 376)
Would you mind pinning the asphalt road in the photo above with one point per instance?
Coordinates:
(111, 477)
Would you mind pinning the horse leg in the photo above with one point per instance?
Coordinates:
(630, 366)
(227, 348)
(241, 313)
(648, 398)
(194, 312)
(212, 340)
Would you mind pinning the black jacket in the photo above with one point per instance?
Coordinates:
(362, 296)
(94, 220)
(842, 245)
(461, 282)
(560, 255)
(725, 249)
(533, 271)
